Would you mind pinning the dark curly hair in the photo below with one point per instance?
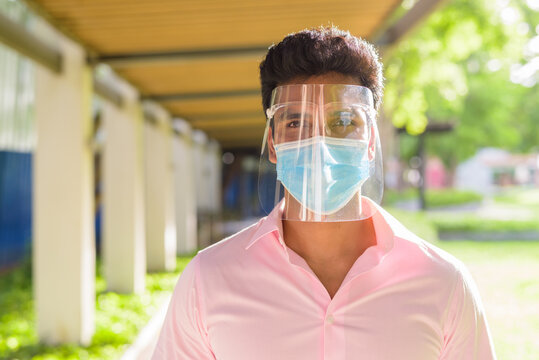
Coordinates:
(317, 52)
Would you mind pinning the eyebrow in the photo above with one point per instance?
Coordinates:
(298, 114)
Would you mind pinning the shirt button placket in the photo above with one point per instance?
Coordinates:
(328, 331)
(329, 319)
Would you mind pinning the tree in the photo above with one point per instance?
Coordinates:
(457, 67)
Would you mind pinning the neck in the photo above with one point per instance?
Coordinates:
(329, 242)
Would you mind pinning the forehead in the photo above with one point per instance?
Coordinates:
(328, 78)
(320, 94)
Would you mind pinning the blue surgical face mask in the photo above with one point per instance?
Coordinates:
(323, 173)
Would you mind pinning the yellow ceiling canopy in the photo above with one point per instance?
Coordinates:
(199, 58)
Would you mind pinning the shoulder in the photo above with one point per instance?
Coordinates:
(229, 248)
(426, 256)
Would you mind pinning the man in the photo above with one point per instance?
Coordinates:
(328, 274)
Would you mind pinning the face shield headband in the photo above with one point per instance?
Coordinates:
(321, 153)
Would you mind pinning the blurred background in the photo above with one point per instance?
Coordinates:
(130, 134)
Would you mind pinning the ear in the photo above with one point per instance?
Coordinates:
(271, 149)
(372, 144)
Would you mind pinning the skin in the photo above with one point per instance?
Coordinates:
(329, 248)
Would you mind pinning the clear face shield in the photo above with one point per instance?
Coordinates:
(321, 153)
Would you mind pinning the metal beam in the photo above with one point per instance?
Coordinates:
(150, 116)
(18, 38)
(237, 132)
(234, 136)
(406, 23)
(107, 92)
(202, 95)
(253, 144)
(227, 124)
(123, 60)
(227, 116)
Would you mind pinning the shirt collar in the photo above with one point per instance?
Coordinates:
(385, 225)
(269, 224)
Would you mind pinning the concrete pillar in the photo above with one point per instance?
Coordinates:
(185, 191)
(200, 141)
(159, 190)
(63, 243)
(203, 192)
(215, 170)
(124, 248)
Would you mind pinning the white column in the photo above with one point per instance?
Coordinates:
(215, 164)
(199, 158)
(159, 190)
(202, 178)
(124, 248)
(185, 191)
(63, 243)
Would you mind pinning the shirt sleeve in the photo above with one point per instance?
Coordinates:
(466, 332)
(184, 335)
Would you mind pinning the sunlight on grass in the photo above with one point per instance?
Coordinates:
(526, 197)
(118, 317)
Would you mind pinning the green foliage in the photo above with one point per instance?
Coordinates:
(119, 317)
(456, 68)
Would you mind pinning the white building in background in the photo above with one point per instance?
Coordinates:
(491, 168)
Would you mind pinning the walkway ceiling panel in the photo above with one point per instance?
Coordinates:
(239, 123)
(232, 134)
(199, 58)
(193, 108)
(193, 77)
(120, 26)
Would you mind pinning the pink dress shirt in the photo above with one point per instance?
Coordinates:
(250, 297)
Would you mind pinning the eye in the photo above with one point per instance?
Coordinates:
(346, 118)
(297, 119)
(343, 118)
(293, 124)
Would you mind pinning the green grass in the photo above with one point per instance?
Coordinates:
(450, 197)
(433, 197)
(119, 318)
(470, 223)
(418, 222)
(393, 196)
(506, 273)
(519, 196)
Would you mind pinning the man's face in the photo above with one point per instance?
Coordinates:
(339, 122)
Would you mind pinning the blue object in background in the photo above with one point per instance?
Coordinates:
(97, 224)
(15, 207)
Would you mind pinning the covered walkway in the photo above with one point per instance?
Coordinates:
(153, 92)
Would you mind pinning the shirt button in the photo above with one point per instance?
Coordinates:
(329, 319)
